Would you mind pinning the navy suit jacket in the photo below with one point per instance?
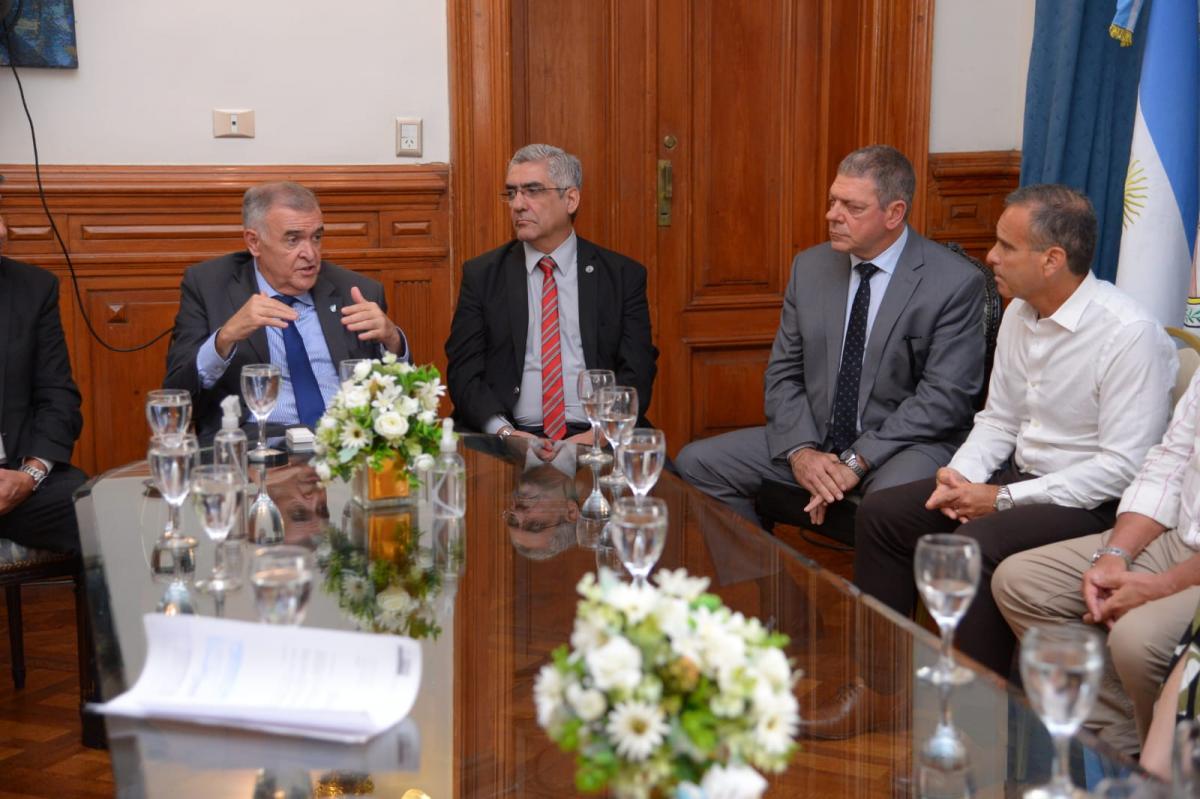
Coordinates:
(486, 350)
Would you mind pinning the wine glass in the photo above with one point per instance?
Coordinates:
(214, 491)
(171, 458)
(1061, 668)
(347, 367)
(282, 577)
(642, 457)
(639, 531)
(260, 389)
(168, 410)
(618, 415)
(590, 383)
(946, 568)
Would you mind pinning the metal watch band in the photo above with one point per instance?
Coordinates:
(850, 460)
(1004, 500)
(37, 474)
(1120, 553)
(506, 431)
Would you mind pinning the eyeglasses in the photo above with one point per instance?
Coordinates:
(531, 191)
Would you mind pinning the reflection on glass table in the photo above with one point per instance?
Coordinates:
(499, 590)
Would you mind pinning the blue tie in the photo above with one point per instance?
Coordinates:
(309, 402)
(844, 430)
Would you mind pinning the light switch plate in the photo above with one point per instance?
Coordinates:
(408, 136)
(233, 123)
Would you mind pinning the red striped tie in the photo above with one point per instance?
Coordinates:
(554, 410)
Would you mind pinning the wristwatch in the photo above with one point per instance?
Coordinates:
(850, 460)
(1120, 553)
(36, 472)
(1004, 500)
(505, 432)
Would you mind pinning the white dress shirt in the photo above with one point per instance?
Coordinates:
(1167, 488)
(1077, 398)
(886, 263)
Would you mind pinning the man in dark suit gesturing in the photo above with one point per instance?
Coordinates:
(537, 311)
(277, 302)
(39, 412)
(878, 360)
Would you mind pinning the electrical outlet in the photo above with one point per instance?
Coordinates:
(233, 123)
(408, 136)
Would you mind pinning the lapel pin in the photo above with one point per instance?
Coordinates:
(589, 269)
(333, 309)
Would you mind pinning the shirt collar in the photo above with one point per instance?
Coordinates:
(564, 256)
(263, 285)
(1070, 313)
(886, 261)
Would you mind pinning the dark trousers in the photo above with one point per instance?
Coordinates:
(887, 527)
(46, 519)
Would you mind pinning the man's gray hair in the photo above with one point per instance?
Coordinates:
(565, 169)
(1060, 216)
(258, 200)
(890, 170)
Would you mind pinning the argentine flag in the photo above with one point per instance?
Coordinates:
(1162, 186)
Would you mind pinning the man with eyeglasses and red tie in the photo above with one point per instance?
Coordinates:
(535, 312)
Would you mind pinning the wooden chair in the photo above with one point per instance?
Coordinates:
(21, 565)
(783, 503)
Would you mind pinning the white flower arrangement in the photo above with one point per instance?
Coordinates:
(666, 688)
(387, 408)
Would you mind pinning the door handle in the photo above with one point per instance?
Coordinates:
(665, 192)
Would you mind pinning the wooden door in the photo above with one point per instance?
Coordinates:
(750, 104)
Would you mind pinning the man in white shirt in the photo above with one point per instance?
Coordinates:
(1080, 390)
(1140, 580)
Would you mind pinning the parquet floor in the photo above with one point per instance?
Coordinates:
(40, 753)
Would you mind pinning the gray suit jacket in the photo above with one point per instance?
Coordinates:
(214, 290)
(924, 361)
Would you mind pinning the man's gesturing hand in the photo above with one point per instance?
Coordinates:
(259, 311)
(369, 321)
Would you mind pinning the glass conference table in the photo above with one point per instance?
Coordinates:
(501, 596)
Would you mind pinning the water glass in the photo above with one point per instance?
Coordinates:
(168, 410)
(639, 531)
(260, 390)
(1061, 667)
(618, 415)
(215, 495)
(171, 458)
(590, 383)
(642, 457)
(946, 568)
(282, 577)
(347, 368)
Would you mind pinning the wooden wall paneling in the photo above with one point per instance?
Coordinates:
(966, 196)
(727, 382)
(132, 230)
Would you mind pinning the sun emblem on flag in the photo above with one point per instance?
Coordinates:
(1136, 191)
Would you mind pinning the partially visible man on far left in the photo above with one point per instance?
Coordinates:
(39, 412)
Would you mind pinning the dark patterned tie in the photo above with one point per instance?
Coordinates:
(554, 410)
(309, 402)
(844, 428)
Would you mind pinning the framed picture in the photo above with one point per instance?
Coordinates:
(38, 33)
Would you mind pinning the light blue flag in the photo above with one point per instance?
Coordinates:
(1125, 21)
(1162, 186)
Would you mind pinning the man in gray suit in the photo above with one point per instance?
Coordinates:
(878, 361)
(276, 302)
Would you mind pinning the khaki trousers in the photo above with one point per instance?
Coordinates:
(1043, 587)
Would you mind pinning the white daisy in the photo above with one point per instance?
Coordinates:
(354, 437)
(776, 727)
(355, 587)
(636, 728)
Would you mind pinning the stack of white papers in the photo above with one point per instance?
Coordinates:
(325, 684)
